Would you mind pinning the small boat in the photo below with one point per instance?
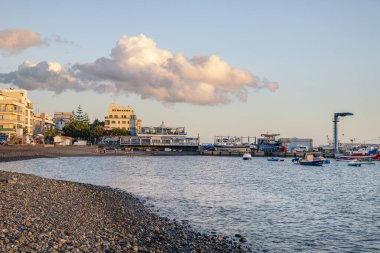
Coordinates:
(355, 163)
(325, 160)
(273, 159)
(247, 156)
(308, 161)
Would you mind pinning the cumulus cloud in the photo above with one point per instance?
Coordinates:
(137, 65)
(15, 40)
(43, 75)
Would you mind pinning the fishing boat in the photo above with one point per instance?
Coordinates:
(247, 156)
(273, 159)
(372, 154)
(309, 160)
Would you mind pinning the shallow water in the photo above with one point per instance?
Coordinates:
(277, 206)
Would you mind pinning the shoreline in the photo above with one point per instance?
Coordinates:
(39, 214)
(11, 153)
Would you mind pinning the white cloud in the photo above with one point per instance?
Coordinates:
(14, 41)
(137, 65)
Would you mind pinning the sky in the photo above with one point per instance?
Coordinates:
(239, 68)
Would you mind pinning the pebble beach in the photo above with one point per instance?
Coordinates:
(45, 215)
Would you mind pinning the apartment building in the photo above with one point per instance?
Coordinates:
(122, 118)
(15, 112)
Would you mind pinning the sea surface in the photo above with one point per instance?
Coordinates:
(277, 206)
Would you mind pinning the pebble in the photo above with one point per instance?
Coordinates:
(243, 239)
(44, 215)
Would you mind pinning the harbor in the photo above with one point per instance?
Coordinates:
(208, 192)
(189, 127)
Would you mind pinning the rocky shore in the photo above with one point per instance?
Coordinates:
(44, 215)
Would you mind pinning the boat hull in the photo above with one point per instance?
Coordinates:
(355, 164)
(311, 163)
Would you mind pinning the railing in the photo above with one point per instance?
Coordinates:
(11, 120)
(7, 130)
(14, 111)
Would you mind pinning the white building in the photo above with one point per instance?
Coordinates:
(61, 119)
(297, 144)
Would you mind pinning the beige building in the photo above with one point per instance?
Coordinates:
(61, 119)
(122, 118)
(15, 112)
(42, 123)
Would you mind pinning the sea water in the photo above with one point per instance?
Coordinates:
(277, 206)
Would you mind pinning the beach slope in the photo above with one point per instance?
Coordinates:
(45, 215)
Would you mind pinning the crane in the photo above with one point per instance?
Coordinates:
(336, 120)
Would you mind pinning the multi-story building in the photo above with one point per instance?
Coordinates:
(122, 118)
(15, 112)
(42, 123)
(61, 119)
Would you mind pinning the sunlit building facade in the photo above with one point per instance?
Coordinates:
(122, 118)
(15, 112)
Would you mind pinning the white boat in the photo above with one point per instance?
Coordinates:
(355, 163)
(247, 156)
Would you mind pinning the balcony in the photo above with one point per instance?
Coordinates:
(10, 121)
(11, 111)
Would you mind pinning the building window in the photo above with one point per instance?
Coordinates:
(113, 122)
(123, 122)
(115, 116)
(110, 116)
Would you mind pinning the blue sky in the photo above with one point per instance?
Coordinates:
(325, 56)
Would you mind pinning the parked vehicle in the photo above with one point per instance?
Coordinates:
(3, 139)
(301, 149)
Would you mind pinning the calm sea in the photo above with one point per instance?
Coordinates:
(277, 206)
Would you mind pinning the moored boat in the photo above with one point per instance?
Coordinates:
(325, 160)
(355, 163)
(247, 156)
(309, 160)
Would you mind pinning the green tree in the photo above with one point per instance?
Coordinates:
(97, 123)
(80, 116)
(24, 134)
(118, 132)
(50, 134)
(77, 129)
(97, 133)
(79, 126)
